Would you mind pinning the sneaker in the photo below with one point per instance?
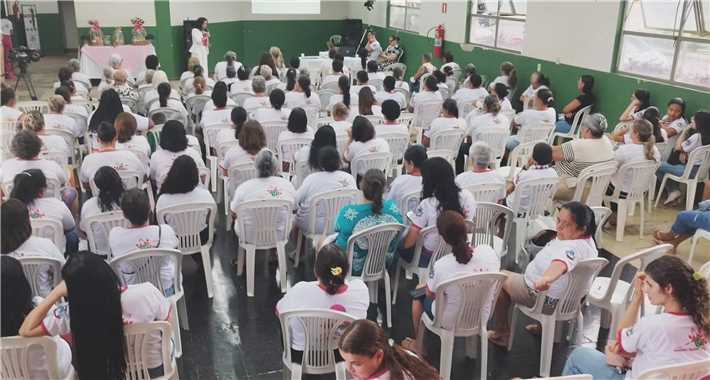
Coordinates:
(672, 196)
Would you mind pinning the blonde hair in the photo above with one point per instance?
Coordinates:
(56, 103)
(277, 56)
(148, 78)
(108, 73)
(33, 121)
(266, 72)
(644, 129)
(192, 62)
(340, 110)
(120, 76)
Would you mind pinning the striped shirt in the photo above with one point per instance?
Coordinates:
(581, 153)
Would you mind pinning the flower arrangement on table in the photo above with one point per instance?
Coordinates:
(96, 36)
(139, 34)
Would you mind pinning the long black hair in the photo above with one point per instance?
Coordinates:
(291, 75)
(182, 177)
(219, 94)
(344, 85)
(438, 181)
(164, 90)
(653, 116)
(644, 98)
(702, 126)
(452, 228)
(325, 136)
(173, 137)
(16, 226)
(28, 185)
(583, 217)
(304, 82)
(109, 107)
(16, 300)
(96, 316)
(110, 187)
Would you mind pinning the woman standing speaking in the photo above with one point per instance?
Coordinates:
(201, 42)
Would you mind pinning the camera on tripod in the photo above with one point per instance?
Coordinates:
(23, 55)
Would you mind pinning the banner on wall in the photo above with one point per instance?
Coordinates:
(29, 15)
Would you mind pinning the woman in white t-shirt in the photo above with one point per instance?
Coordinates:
(165, 101)
(411, 181)
(676, 336)
(449, 119)
(297, 128)
(111, 188)
(56, 119)
(238, 116)
(251, 141)
(277, 112)
(141, 235)
(29, 187)
(501, 92)
(539, 166)
(463, 260)
(220, 110)
(17, 241)
(439, 193)
(330, 291)
(34, 121)
(538, 80)
(302, 96)
(17, 302)
(343, 95)
(368, 355)
(480, 156)
(549, 271)
(540, 113)
(127, 139)
(106, 154)
(98, 330)
(243, 83)
(477, 123)
(367, 104)
(429, 94)
(508, 75)
(363, 140)
(472, 92)
(173, 144)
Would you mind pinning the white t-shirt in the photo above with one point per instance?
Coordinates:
(51, 208)
(427, 212)
(209, 106)
(307, 294)
(261, 189)
(220, 69)
(500, 79)
(137, 142)
(234, 155)
(269, 114)
(341, 127)
(172, 104)
(162, 160)
(222, 116)
(628, 153)
(445, 123)
(54, 143)
(37, 358)
(91, 208)
(524, 176)
(403, 185)
(402, 84)
(529, 93)
(253, 103)
(469, 95)
(663, 339)
(123, 240)
(357, 148)
(61, 121)
(40, 247)
(140, 303)
(384, 129)
(198, 194)
(396, 96)
(469, 178)
(314, 184)
(241, 86)
(569, 252)
(10, 114)
(424, 97)
(534, 117)
(121, 160)
(298, 99)
(11, 167)
(477, 123)
(484, 260)
(693, 142)
(78, 110)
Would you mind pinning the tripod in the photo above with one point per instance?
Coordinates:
(26, 78)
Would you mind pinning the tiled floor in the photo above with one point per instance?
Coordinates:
(234, 337)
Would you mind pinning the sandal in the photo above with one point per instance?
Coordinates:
(499, 339)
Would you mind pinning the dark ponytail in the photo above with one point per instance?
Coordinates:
(331, 268)
(509, 69)
(653, 116)
(28, 185)
(452, 228)
(305, 83)
(373, 188)
(291, 79)
(110, 188)
(690, 288)
(583, 217)
(163, 94)
(546, 96)
(344, 85)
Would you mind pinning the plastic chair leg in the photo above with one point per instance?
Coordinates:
(513, 322)
(643, 217)
(207, 266)
(213, 172)
(484, 352)
(621, 214)
(447, 350)
(175, 321)
(395, 286)
(299, 245)
(240, 261)
(281, 253)
(388, 299)
(182, 312)
(296, 371)
(546, 346)
(251, 253)
(660, 189)
(340, 371)
(690, 194)
(694, 243)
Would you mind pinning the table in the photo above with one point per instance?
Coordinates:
(316, 64)
(95, 58)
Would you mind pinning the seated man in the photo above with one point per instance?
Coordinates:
(426, 68)
(391, 54)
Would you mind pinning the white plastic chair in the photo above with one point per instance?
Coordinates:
(302, 170)
(262, 233)
(449, 140)
(496, 139)
(478, 294)
(613, 294)
(539, 193)
(103, 224)
(398, 143)
(49, 228)
(169, 114)
(518, 158)
(237, 174)
(485, 225)
(139, 341)
(601, 214)
(567, 308)
(699, 234)
(147, 264)
(240, 97)
(322, 329)
(378, 240)
(312, 113)
(424, 114)
(33, 105)
(487, 192)
(272, 129)
(374, 119)
(409, 201)
(377, 83)
(195, 104)
(324, 95)
(598, 176)
(188, 220)
(576, 122)
(412, 267)
(15, 357)
(66, 135)
(287, 152)
(540, 132)
(34, 267)
(640, 174)
(700, 154)
(324, 206)
(406, 95)
(373, 160)
(685, 371)
(211, 142)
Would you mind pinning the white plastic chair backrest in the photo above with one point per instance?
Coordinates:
(598, 176)
(540, 132)
(425, 113)
(601, 214)
(377, 83)
(188, 220)
(378, 240)
(577, 120)
(578, 286)
(147, 265)
(48, 228)
(139, 341)
(129, 101)
(640, 173)
(322, 328)
(141, 155)
(479, 292)
(327, 205)
(639, 260)
(272, 129)
(210, 133)
(374, 119)
(442, 248)
(223, 147)
(702, 155)
(54, 188)
(409, 201)
(398, 143)
(81, 121)
(131, 179)
(33, 266)
(287, 150)
(63, 133)
(449, 139)
(685, 371)
(331, 86)
(495, 138)
(312, 113)
(325, 95)
(60, 158)
(406, 119)
(239, 173)
(539, 193)
(373, 160)
(240, 97)
(465, 107)
(105, 222)
(487, 192)
(302, 170)
(265, 217)
(485, 225)
(34, 105)
(404, 92)
(15, 357)
(169, 114)
(520, 156)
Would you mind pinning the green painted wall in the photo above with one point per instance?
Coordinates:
(51, 33)
(612, 90)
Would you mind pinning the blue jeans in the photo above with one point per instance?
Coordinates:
(676, 170)
(590, 361)
(72, 239)
(511, 143)
(562, 126)
(688, 222)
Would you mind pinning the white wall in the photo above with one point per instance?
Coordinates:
(377, 17)
(43, 6)
(114, 13)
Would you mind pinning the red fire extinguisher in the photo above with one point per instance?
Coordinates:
(438, 40)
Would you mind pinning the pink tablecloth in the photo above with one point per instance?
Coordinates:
(95, 58)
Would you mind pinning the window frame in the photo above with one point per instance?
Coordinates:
(497, 17)
(406, 8)
(678, 37)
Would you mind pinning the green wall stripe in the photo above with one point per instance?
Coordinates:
(51, 33)
(164, 39)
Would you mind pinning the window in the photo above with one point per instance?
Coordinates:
(404, 14)
(498, 23)
(667, 40)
